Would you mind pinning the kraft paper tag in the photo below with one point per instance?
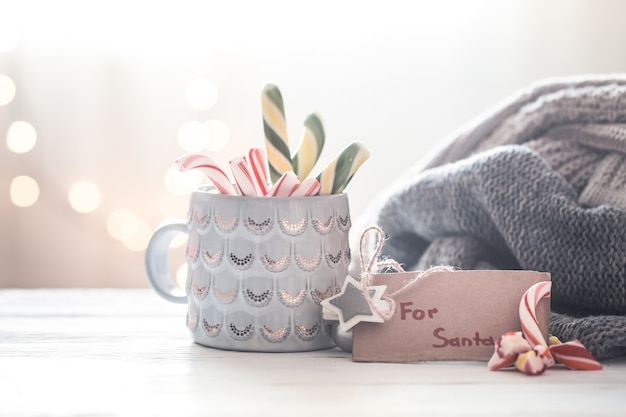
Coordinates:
(447, 315)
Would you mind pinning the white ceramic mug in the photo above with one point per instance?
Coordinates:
(258, 269)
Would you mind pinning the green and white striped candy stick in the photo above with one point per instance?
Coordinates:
(336, 176)
(275, 127)
(310, 146)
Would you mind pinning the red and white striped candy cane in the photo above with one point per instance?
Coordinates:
(210, 168)
(243, 176)
(258, 168)
(308, 187)
(286, 184)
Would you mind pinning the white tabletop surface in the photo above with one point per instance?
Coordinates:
(128, 353)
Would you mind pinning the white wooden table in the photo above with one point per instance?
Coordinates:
(128, 353)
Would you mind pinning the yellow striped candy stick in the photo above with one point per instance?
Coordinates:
(310, 146)
(336, 176)
(275, 127)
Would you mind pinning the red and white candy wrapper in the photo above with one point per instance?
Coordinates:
(285, 186)
(575, 356)
(308, 187)
(528, 349)
(507, 349)
(243, 176)
(257, 164)
(210, 168)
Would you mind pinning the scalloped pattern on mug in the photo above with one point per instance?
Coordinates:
(258, 300)
(321, 227)
(293, 229)
(244, 333)
(201, 221)
(192, 320)
(292, 301)
(240, 263)
(319, 296)
(259, 228)
(333, 261)
(275, 336)
(211, 261)
(310, 264)
(200, 292)
(343, 223)
(191, 255)
(307, 334)
(226, 226)
(225, 297)
(275, 265)
(211, 330)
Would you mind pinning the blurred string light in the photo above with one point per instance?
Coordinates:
(201, 94)
(219, 134)
(21, 137)
(24, 191)
(193, 136)
(7, 90)
(125, 226)
(181, 276)
(84, 197)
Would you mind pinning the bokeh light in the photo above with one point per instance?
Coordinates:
(182, 183)
(201, 94)
(193, 136)
(21, 137)
(122, 224)
(7, 90)
(181, 276)
(24, 191)
(140, 238)
(84, 197)
(219, 134)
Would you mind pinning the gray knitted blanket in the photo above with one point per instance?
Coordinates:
(538, 183)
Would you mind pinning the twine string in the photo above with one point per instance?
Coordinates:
(373, 263)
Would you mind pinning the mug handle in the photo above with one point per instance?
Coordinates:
(156, 262)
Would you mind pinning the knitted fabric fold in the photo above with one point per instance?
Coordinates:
(537, 183)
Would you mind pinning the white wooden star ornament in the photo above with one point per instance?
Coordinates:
(351, 307)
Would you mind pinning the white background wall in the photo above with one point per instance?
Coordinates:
(103, 84)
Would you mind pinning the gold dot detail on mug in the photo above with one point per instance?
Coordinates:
(240, 263)
(333, 261)
(319, 296)
(292, 301)
(275, 336)
(211, 330)
(240, 334)
(293, 229)
(308, 265)
(226, 225)
(277, 265)
(258, 300)
(211, 261)
(200, 292)
(225, 297)
(307, 334)
(343, 223)
(192, 321)
(202, 221)
(321, 227)
(259, 228)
